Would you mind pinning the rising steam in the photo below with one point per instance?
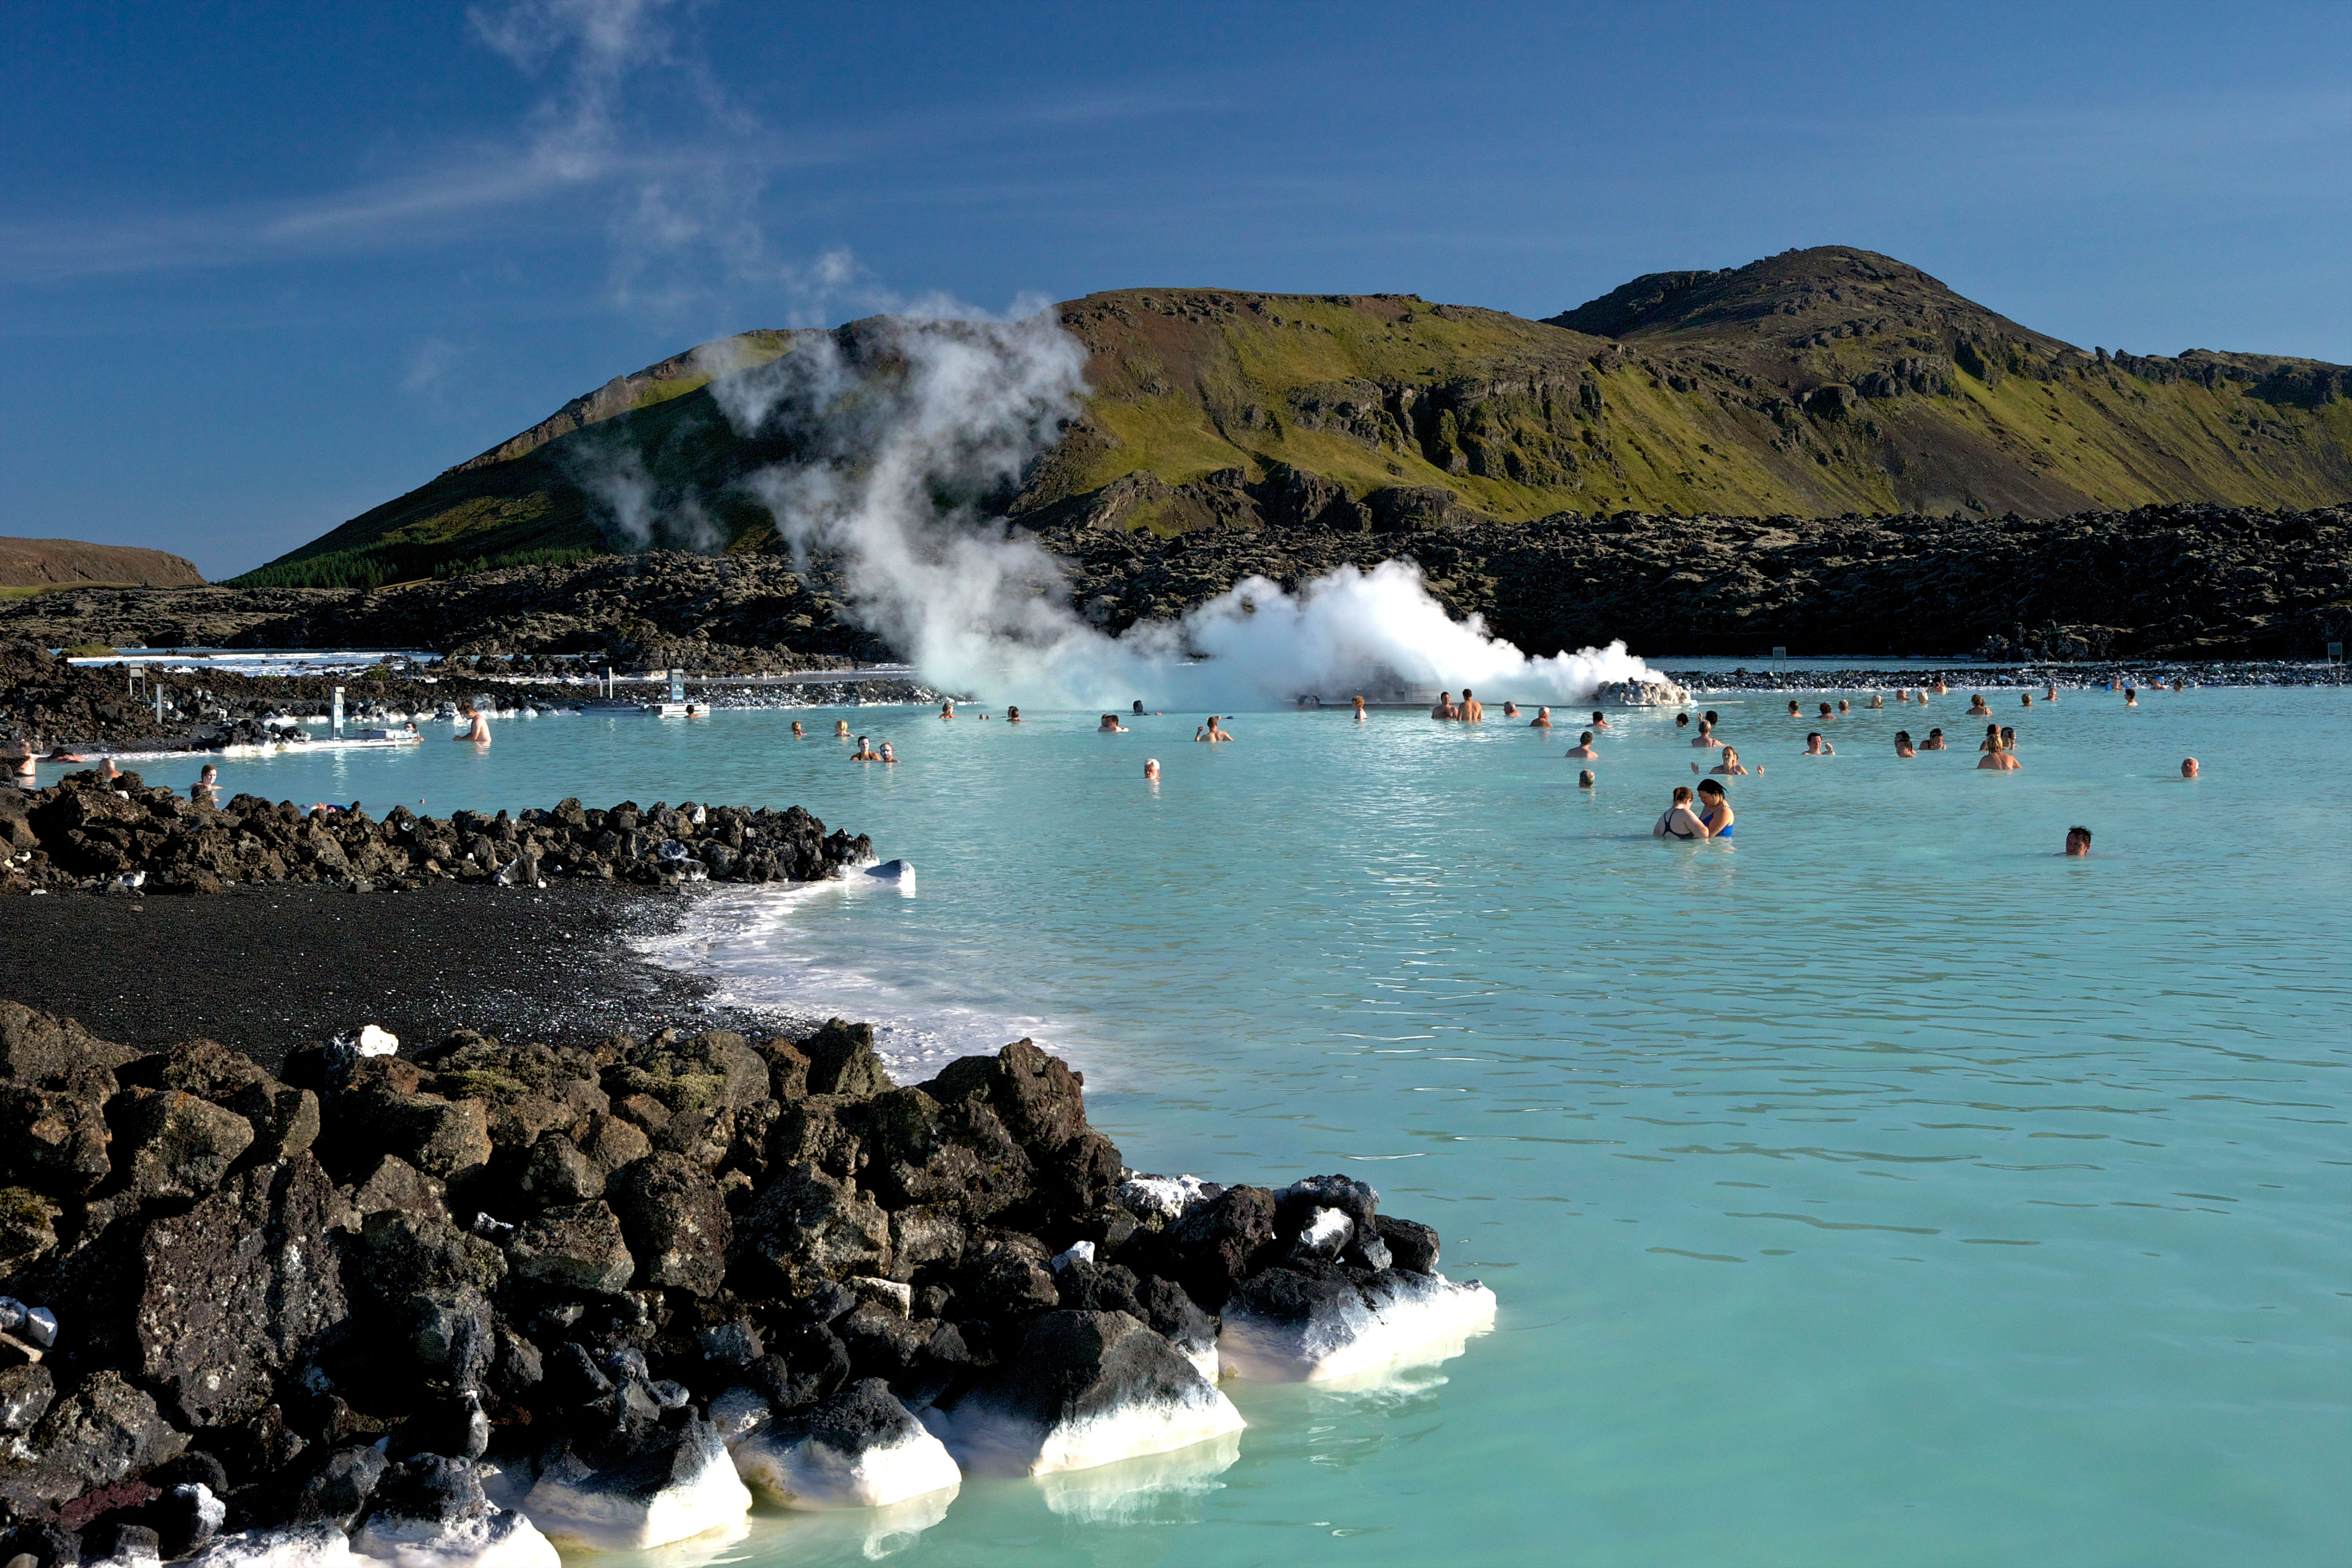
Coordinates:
(904, 435)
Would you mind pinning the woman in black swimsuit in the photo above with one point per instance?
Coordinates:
(1679, 821)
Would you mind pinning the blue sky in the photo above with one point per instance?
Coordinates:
(262, 266)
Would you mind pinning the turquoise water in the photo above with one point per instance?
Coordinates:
(1880, 1187)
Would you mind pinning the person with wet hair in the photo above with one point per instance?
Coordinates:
(1731, 765)
(1998, 761)
(1473, 711)
(1977, 709)
(864, 753)
(1795, 712)
(2131, 697)
(1583, 750)
(1827, 717)
(1599, 719)
(1681, 721)
(2078, 843)
(1935, 741)
(1151, 770)
(1991, 742)
(1902, 746)
(1012, 714)
(1445, 709)
(2008, 738)
(1706, 736)
(1542, 721)
(1816, 747)
(947, 708)
(1584, 779)
(1359, 709)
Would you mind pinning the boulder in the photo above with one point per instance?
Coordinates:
(1086, 1389)
(56, 1139)
(298, 1546)
(860, 1448)
(28, 1229)
(174, 1145)
(438, 1136)
(558, 1173)
(1287, 1326)
(809, 1227)
(395, 1184)
(842, 1060)
(677, 1222)
(578, 1251)
(105, 1431)
(676, 1485)
(1220, 1242)
(26, 1394)
(431, 1513)
(234, 1290)
(337, 1489)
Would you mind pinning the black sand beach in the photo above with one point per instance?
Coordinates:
(265, 969)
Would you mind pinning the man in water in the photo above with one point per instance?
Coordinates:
(1139, 707)
(1583, 750)
(1209, 731)
(1473, 711)
(2131, 697)
(2050, 693)
(1542, 721)
(1902, 746)
(1816, 747)
(1681, 721)
(2028, 697)
(1444, 709)
(1012, 714)
(1795, 712)
(2008, 738)
(1706, 736)
(1998, 761)
(480, 733)
(1599, 719)
(1151, 770)
(1878, 699)
(2189, 767)
(1511, 709)
(1977, 709)
(864, 753)
(1110, 725)
(1584, 779)
(797, 732)
(2078, 843)
(947, 708)
(1934, 742)
(1827, 717)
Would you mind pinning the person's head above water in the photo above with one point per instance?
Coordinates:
(1584, 779)
(2078, 842)
(1151, 768)
(1139, 705)
(1793, 709)
(2189, 767)
(1681, 721)
(1711, 788)
(1012, 712)
(1585, 738)
(1682, 794)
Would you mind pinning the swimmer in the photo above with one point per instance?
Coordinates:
(108, 771)
(841, 730)
(19, 760)
(1584, 779)
(1730, 766)
(887, 754)
(62, 755)
(2189, 767)
(1473, 711)
(1151, 770)
(1713, 809)
(1878, 699)
(1844, 707)
(1934, 742)
(1902, 694)
(1942, 689)
(1583, 753)
(1110, 725)
(2050, 694)
(798, 733)
(1209, 731)
(1816, 747)
(205, 791)
(1599, 719)
(1706, 734)
(2131, 697)
(1714, 719)
(1680, 821)
(1542, 721)
(1139, 707)
(1902, 746)
(1827, 716)
(1794, 712)
(1977, 706)
(1012, 714)
(2028, 697)
(947, 708)
(480, 734)
(1359, 709)
(1510, 710)
(1991, 742)
(2008, 738)
(1998, 761)
(2078, 843)
(1681, 721)
(1444, 709)
(864, 753)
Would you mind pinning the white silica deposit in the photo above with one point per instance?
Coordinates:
(1399, 1319)
(573, 1513)
(504, 1539)
(303, 1546)
(1167, 1196)
(990, 1440)
(811, 1473)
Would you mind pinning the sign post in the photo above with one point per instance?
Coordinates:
(678, 685)
(335, 727)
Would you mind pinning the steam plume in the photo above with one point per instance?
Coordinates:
(903, 437)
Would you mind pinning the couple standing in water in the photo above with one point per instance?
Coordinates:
(1708, 816)
(1471, 711)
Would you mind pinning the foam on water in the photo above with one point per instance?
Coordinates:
(575, 1513)
(988, 1439)
(812, 1474)
(1412, 1319)
(503, 1539)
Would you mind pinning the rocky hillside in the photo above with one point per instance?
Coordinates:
(1812, 384)
(52, 563)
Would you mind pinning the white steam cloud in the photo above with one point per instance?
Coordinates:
(908, 431)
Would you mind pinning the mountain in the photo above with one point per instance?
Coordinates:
(1814, 384)
(40, 564)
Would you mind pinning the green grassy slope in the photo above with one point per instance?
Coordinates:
(1814, 384)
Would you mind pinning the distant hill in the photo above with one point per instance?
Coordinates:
(55, 563)
(1815, 384)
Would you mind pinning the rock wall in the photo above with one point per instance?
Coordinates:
(88, 832)
(237, 1301)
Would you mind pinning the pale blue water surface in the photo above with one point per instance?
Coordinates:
(1880, 1187)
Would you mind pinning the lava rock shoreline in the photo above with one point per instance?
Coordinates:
(458, 1306)
(90, 833)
